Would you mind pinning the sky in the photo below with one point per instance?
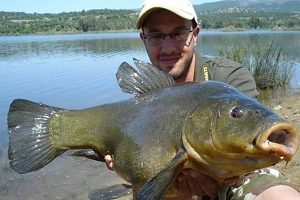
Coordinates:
(57, 6)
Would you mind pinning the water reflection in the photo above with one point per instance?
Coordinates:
(94, 44)
(290, 41)
(89, 47)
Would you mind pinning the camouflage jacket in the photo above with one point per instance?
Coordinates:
(255, 183)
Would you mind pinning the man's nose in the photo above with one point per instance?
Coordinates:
(169, 45)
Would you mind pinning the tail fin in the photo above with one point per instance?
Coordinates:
(30, 145)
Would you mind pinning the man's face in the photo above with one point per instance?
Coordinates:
(170, 55)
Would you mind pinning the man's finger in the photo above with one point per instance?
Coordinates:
(109, 161)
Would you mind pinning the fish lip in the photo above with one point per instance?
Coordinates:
(280, 140)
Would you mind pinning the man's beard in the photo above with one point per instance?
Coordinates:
(177, 74)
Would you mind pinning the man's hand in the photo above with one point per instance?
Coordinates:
(192, 184)
(189, 182)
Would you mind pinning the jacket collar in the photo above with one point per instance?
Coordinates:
(200, 68)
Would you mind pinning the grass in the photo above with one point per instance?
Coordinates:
(266, 63)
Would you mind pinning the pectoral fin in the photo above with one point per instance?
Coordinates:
(155, 188)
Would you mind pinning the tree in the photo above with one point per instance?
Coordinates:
(84, 24)
(255, 22)
(219, 24)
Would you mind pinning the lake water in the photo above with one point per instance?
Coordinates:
(78, 70)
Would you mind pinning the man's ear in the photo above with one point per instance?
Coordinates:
(196, 32)
(142, 35)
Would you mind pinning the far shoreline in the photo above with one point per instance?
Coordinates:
(222, 30)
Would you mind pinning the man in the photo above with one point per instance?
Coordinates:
(175, 53)
(169, 30)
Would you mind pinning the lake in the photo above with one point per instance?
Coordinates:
(78, 70)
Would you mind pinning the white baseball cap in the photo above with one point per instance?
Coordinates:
(182, 8)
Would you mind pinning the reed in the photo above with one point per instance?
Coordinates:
(266, 63)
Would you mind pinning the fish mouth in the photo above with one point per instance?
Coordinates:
(281, 140)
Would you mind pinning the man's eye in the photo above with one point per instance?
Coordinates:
(176, 34)
(157, 36)
(180, 35)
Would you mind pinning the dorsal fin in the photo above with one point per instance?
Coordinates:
(143, 80)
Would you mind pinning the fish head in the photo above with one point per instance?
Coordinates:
(229, 134)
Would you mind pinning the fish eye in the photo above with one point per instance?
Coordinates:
(237, 112)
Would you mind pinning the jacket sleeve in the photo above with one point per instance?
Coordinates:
(233, 73)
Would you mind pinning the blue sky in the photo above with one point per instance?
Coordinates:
(57, 6)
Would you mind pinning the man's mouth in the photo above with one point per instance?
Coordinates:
(169, 62)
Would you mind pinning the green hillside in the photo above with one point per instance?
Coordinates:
(288, 6)
(227, 14)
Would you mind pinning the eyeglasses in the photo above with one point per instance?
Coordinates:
(178, 36)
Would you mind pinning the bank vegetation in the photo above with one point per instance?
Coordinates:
(17, 23)
(267, 64)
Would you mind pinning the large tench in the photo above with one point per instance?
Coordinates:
(209, 127)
